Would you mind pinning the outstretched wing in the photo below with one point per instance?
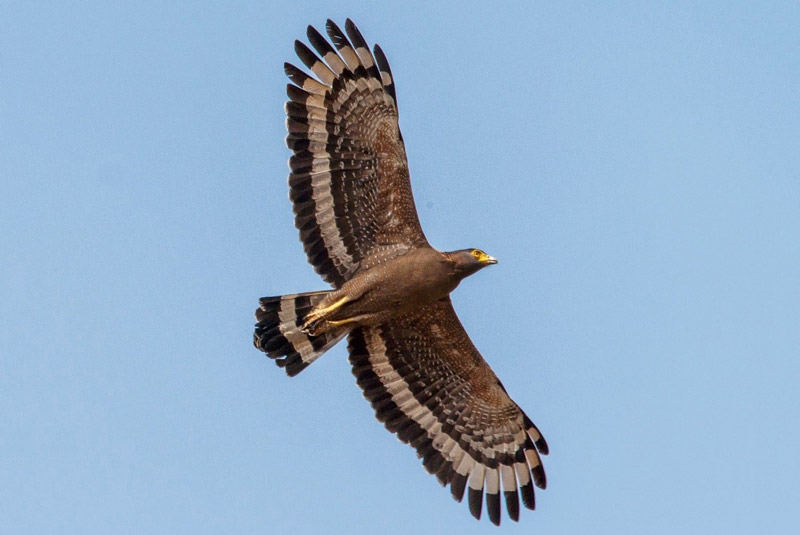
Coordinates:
(429, 384)
(349, 174)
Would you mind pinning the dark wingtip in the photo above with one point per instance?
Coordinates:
(445, 473)
(539, 477)
(512, 504)
(457, 486)
(528, 496)
(493, 506)
(475, 497)
(333, 30)
(541, 445)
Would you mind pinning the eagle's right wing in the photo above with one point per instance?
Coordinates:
(349, 174)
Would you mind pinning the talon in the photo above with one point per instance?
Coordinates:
(316, 315)
(310, 328)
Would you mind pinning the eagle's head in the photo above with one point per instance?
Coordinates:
(468, 261)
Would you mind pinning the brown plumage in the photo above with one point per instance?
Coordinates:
(354, 209)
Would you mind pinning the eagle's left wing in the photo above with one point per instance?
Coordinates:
(429, 384)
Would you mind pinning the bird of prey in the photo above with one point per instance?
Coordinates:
(353, 206)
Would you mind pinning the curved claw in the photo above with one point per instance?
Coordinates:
(312, 325)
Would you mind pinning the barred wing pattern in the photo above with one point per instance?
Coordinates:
(429, 384)
(349, 178)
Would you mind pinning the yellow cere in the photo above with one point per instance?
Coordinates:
(482, 257)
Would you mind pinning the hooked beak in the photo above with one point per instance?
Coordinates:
(488, 260)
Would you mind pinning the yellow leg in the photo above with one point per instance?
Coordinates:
(343, 322)
(318, 326)
(314, 315)
(314, 318)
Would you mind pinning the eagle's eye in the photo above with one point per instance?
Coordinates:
(476, 253)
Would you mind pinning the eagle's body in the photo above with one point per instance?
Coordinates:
(403, 284)
(355, 211)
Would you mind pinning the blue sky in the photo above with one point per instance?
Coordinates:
(634, 166)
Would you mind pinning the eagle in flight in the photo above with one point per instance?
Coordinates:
(353, 206)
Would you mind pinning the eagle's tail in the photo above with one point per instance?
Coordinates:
(279, 331)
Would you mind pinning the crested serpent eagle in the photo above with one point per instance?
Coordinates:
(354, 209)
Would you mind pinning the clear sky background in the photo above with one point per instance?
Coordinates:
(635, 166)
